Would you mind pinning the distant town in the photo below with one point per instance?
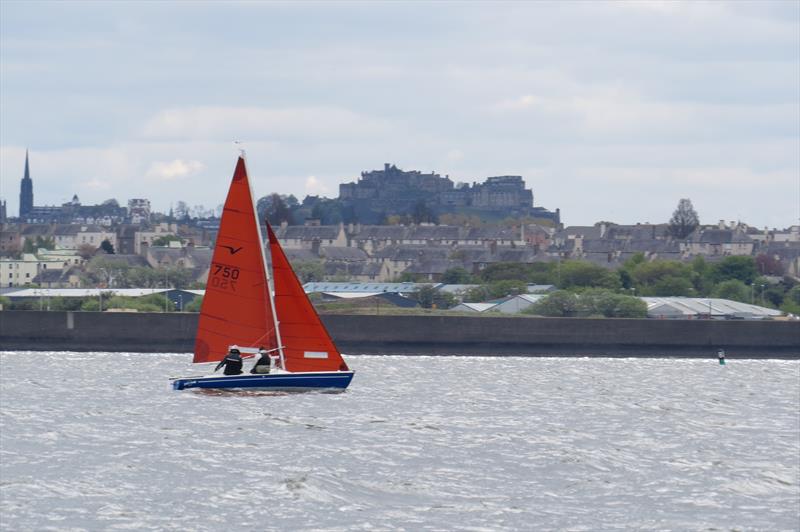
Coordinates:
(394, 225)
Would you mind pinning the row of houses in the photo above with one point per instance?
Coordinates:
(383, 253)
(64, 268)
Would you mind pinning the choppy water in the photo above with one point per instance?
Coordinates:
(98, 441)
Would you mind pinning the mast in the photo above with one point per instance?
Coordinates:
(270, 293)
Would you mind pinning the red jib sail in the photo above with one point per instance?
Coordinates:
(307, 345)
(236, 307)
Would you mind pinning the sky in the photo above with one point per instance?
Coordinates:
(610, 111)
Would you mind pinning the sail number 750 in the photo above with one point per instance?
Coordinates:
(224, 277)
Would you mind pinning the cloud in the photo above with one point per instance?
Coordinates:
(315, 187)
(259, 123)
(172, 170)
(96, 184)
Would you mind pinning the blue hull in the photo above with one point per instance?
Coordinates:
(291, 382)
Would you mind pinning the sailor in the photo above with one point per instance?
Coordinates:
(262, 365)
(232, 362)
(721, 357)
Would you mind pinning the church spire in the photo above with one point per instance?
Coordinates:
(26, 191)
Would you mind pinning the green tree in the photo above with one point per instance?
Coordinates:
(663, 278)
(164, 240)
(631, 307)
(106, 246)
(408, 277)
(602, 302)
(732, 289)
(684, 220)
(309, 271)
(177, 277)
(738, 267)
(65, 303)
(33, 245)
(505, 288)
(671, 286)
(456, 275)
(149, 303)
(424, 295)
(5, 303)
(90, 305)
(275, 209)
(576, 273)
(791, 301)
(701, 278)
(477, 294)
(24, 304)
(558, 304)
(194, 305)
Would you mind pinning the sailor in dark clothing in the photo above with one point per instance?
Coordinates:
(262, 365)
(232, 362)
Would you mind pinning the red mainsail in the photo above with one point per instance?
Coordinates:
(307, 345)
(236, 307)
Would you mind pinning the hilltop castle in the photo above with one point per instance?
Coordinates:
(393, 190)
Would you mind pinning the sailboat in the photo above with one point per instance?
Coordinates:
(242, 309)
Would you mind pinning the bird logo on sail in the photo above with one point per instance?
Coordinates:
(233, 251)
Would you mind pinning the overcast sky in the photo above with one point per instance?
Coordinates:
(609, 110)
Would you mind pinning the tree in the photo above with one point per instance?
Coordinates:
(663, 278)
(701, 278)
(90, 305)
(456, 275)
(33, 245)
(769, 265)
(574, 273)
(194, 305)
(106, 246)
(422, 213)
(732, 289)
(309, 271)
(424, 295)
(602, 302)
(164, 240)
(181, 210)
(559, 304)
(178, 278)
(684, 220)
(428, 297)
(671, 286)
(737, 267)
(65, 303)
(86, 251)
(274, 209)
(791, 302)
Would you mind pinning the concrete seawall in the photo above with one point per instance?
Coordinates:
(462, 335)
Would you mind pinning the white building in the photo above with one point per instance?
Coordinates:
(21, 272)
